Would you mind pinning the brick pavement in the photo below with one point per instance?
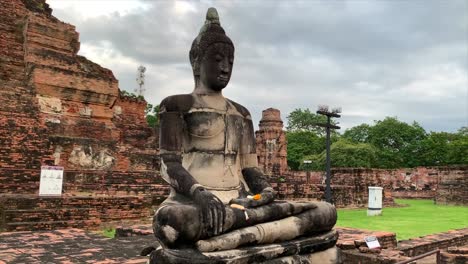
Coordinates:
(70, 246)
(80, 246)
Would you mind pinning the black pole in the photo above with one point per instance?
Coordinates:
(328, 126)
(328, 194)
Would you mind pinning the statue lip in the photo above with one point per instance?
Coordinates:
(223, 79)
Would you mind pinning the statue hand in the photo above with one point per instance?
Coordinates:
(265, 197)
(212, 210)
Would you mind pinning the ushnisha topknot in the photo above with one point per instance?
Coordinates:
(210, 33)
(212, 17)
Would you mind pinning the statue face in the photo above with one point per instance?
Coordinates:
(216, 66)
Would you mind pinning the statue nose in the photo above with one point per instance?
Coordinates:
(225, 66)
(225, 69)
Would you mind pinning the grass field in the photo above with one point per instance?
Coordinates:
(419, 218)
(108, 232)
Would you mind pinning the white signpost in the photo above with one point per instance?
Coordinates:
(51, 181)
(372, 242)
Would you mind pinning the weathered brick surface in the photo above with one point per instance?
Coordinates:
(271, 143)
(59, 108)
(70, 246)
(352, 244)
(453, 186)
(454, 255)
(35, 213)
(354, 238)
(350, 185)
(418, 246)
(385, 256)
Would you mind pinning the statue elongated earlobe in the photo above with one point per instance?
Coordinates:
(194, 60)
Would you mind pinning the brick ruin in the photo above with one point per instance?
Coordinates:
(59, 108)
(453, 186)
(271, 143)
(447, 185)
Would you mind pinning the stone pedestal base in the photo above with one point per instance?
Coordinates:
(313, 249)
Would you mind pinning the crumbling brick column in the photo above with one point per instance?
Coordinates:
(271, 143)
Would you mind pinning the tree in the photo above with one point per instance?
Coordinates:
(458, 152)
(345, 153)
(458, 148)
(463, 131)
(399, 143)
(300, 144)
(304, 136)
(358, 134)
(435, 148)
(305, 120)
(152, 115)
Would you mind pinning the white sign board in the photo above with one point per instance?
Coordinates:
(51, 181)
(372, 242)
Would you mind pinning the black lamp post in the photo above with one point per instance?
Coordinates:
(307, 163)
(323, 110)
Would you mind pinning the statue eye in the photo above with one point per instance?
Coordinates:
(219, 57)
(231, 60)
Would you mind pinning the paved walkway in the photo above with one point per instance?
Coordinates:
(80, 246)
(70, 246)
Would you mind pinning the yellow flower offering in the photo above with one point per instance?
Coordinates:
(257, 197)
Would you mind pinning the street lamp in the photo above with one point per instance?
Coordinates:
(323, 110)
(307, 169)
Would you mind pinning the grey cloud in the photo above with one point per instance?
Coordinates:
(357, 54)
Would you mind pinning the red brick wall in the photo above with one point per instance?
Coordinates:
(57, 107)
(350, 185)
(453, 186)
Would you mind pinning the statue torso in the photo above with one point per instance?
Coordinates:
(212, 145)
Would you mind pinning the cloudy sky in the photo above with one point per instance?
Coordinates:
(373, 58)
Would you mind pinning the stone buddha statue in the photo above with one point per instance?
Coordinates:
(220, 201)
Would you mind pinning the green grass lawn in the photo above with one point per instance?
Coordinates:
(108, 232)
(419, 218)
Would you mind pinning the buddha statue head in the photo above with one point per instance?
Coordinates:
(212, 54)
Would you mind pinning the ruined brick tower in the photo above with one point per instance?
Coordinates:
(59, 108)
(271, 143)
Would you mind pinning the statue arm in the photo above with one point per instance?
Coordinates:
(253, 176)
(170, 142)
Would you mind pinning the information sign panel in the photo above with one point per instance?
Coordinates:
(372, 242)
(51, 181)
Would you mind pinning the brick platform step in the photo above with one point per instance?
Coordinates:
(38, 213)
(13, 202)
(418, 246)
(51, 225)
(70, 214)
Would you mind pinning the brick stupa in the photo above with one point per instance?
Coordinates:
(271, 143)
